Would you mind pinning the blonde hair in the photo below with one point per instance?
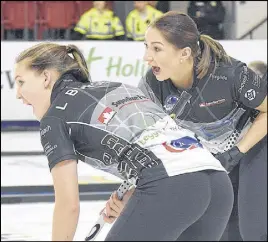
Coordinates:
(50, 55)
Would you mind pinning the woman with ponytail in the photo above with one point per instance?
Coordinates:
(214, 95)
(114, 127)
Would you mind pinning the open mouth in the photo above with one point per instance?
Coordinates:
(156, 70)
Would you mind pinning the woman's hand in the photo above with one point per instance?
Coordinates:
(114, 206)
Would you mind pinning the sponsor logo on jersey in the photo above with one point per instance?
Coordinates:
(131, 158)
(106, 115)
(244, 78)
(218, 77)
(182, 144)
(129, 100)
(149, 137)
(208, 104)
(96, 84)
(170, 102)
(45, 130)
(256, 81)
(49, 149)
(250, 94)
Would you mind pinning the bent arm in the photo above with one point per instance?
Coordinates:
(66, 210)
(257, 131)
(251, 90)
(59, 149)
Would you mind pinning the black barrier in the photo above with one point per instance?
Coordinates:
(34, 194)
(16, 126)
(21, 153)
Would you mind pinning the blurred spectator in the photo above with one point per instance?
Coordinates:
(259, 67)
(162, 6)
(208, 16)
(99, 23)
(138, 20)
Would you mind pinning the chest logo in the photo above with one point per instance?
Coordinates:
(182, 144)
(250, 94)
(209, 104)
(170, 102)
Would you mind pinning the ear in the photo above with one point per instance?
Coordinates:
(47, 80)
(186, 53)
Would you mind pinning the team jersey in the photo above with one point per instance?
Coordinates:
(115, 128)
(214, 107)
(136, 24)
(100, 25)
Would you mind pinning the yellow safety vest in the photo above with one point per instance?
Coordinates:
(97, 25)
(136, 25)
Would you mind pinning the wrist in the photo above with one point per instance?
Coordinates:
(235, 153)
(241, 149)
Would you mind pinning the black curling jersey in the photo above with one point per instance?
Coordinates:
(116, 128)
(214, 106)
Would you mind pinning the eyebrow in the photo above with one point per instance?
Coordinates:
(156, 42)
(17, 76)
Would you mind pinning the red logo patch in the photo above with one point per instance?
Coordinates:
(106, 115)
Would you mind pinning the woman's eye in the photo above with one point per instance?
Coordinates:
(156, 49)
(20, 83)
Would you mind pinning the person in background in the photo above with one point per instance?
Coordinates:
(162, 6)
(259, 67)
(99, 23)
(209, 17)
(138, 20)
(232, 232)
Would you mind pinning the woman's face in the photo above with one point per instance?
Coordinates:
(140, 5)
(166, 60)
(100, 5)
(33, 89)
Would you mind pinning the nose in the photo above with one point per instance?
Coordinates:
(18, 94)
(147, 57)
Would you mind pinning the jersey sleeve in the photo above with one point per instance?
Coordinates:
(248, 87)
(56, 141)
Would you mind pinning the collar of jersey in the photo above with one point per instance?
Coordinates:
(64, 81)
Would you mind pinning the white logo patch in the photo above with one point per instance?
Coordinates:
(250, 94)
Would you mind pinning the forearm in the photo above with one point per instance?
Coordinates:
(256, 132)
(65, 220)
